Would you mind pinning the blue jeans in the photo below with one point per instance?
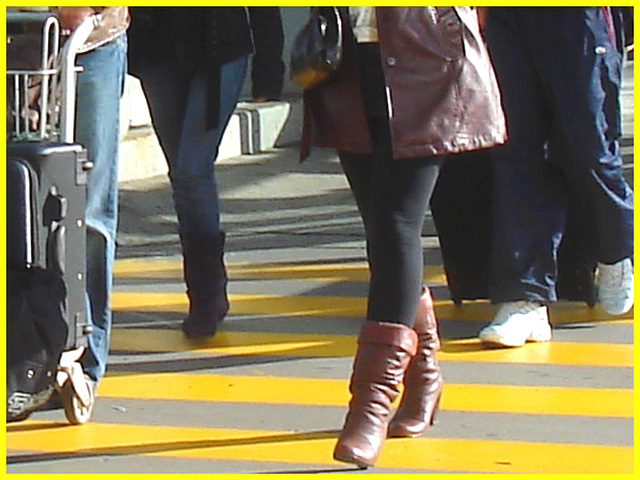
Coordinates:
(192, 173)
(559, 74)
(100, 86)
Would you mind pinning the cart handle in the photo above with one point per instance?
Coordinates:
(68, 75)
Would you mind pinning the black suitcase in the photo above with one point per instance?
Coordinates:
(46, 258)
(461, 208)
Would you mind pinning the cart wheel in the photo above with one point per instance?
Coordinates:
(74, 410)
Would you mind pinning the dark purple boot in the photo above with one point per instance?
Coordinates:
(206, 278)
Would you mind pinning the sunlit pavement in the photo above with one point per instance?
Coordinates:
(268, 393)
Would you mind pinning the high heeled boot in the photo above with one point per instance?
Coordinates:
(384, 352)
(423, 381)
(206, 278)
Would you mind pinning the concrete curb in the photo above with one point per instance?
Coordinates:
(253, 128)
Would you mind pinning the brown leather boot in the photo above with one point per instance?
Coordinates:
(384, 352)
(423, 382)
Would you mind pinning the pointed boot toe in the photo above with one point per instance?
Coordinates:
(352, 453)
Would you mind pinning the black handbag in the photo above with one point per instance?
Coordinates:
(317, 48)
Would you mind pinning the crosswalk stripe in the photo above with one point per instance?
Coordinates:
(353, 272)
(559, 353)
(603, 402)
(158, 268)
(102, 439)
(327, 345)
(338, 306)
(442, 454)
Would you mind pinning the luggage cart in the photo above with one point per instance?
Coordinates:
(56, 76)
(46, 195)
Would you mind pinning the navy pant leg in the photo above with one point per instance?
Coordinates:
(587, 127)
(560, 78)
(529, 209)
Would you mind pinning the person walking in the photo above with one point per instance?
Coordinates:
(192, 62)
(559, 70)
(415, 85)
(100, 86)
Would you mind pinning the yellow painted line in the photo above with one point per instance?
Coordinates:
(460, 455)
(521, 399)
(234, 343)
(172, 269)
(161, 268)
(560, 353)
(324, 306)
(327, 345)
(245, 304)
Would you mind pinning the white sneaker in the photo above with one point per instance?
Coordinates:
(517, 323)
(615, 286)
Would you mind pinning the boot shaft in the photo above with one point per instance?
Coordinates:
(424, 368)
(426, 324)
(384, 352)
(204, 270)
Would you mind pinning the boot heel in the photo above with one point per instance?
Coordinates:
(436, 411)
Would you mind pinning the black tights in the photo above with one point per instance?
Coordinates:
(392, 197)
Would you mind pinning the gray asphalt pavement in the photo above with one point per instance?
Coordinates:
(268, 395)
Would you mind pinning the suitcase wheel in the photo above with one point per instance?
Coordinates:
(76, 412)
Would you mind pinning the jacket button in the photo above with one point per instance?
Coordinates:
(391, 61)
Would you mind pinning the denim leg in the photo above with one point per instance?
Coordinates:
(100, 86)
(165, 88)
(195, 191)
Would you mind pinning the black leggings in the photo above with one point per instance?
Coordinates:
(392, 197)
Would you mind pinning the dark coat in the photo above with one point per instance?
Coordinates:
(193, 36)
(443, 93)
(197, 38)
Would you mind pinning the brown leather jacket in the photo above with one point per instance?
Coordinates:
(444, 97)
